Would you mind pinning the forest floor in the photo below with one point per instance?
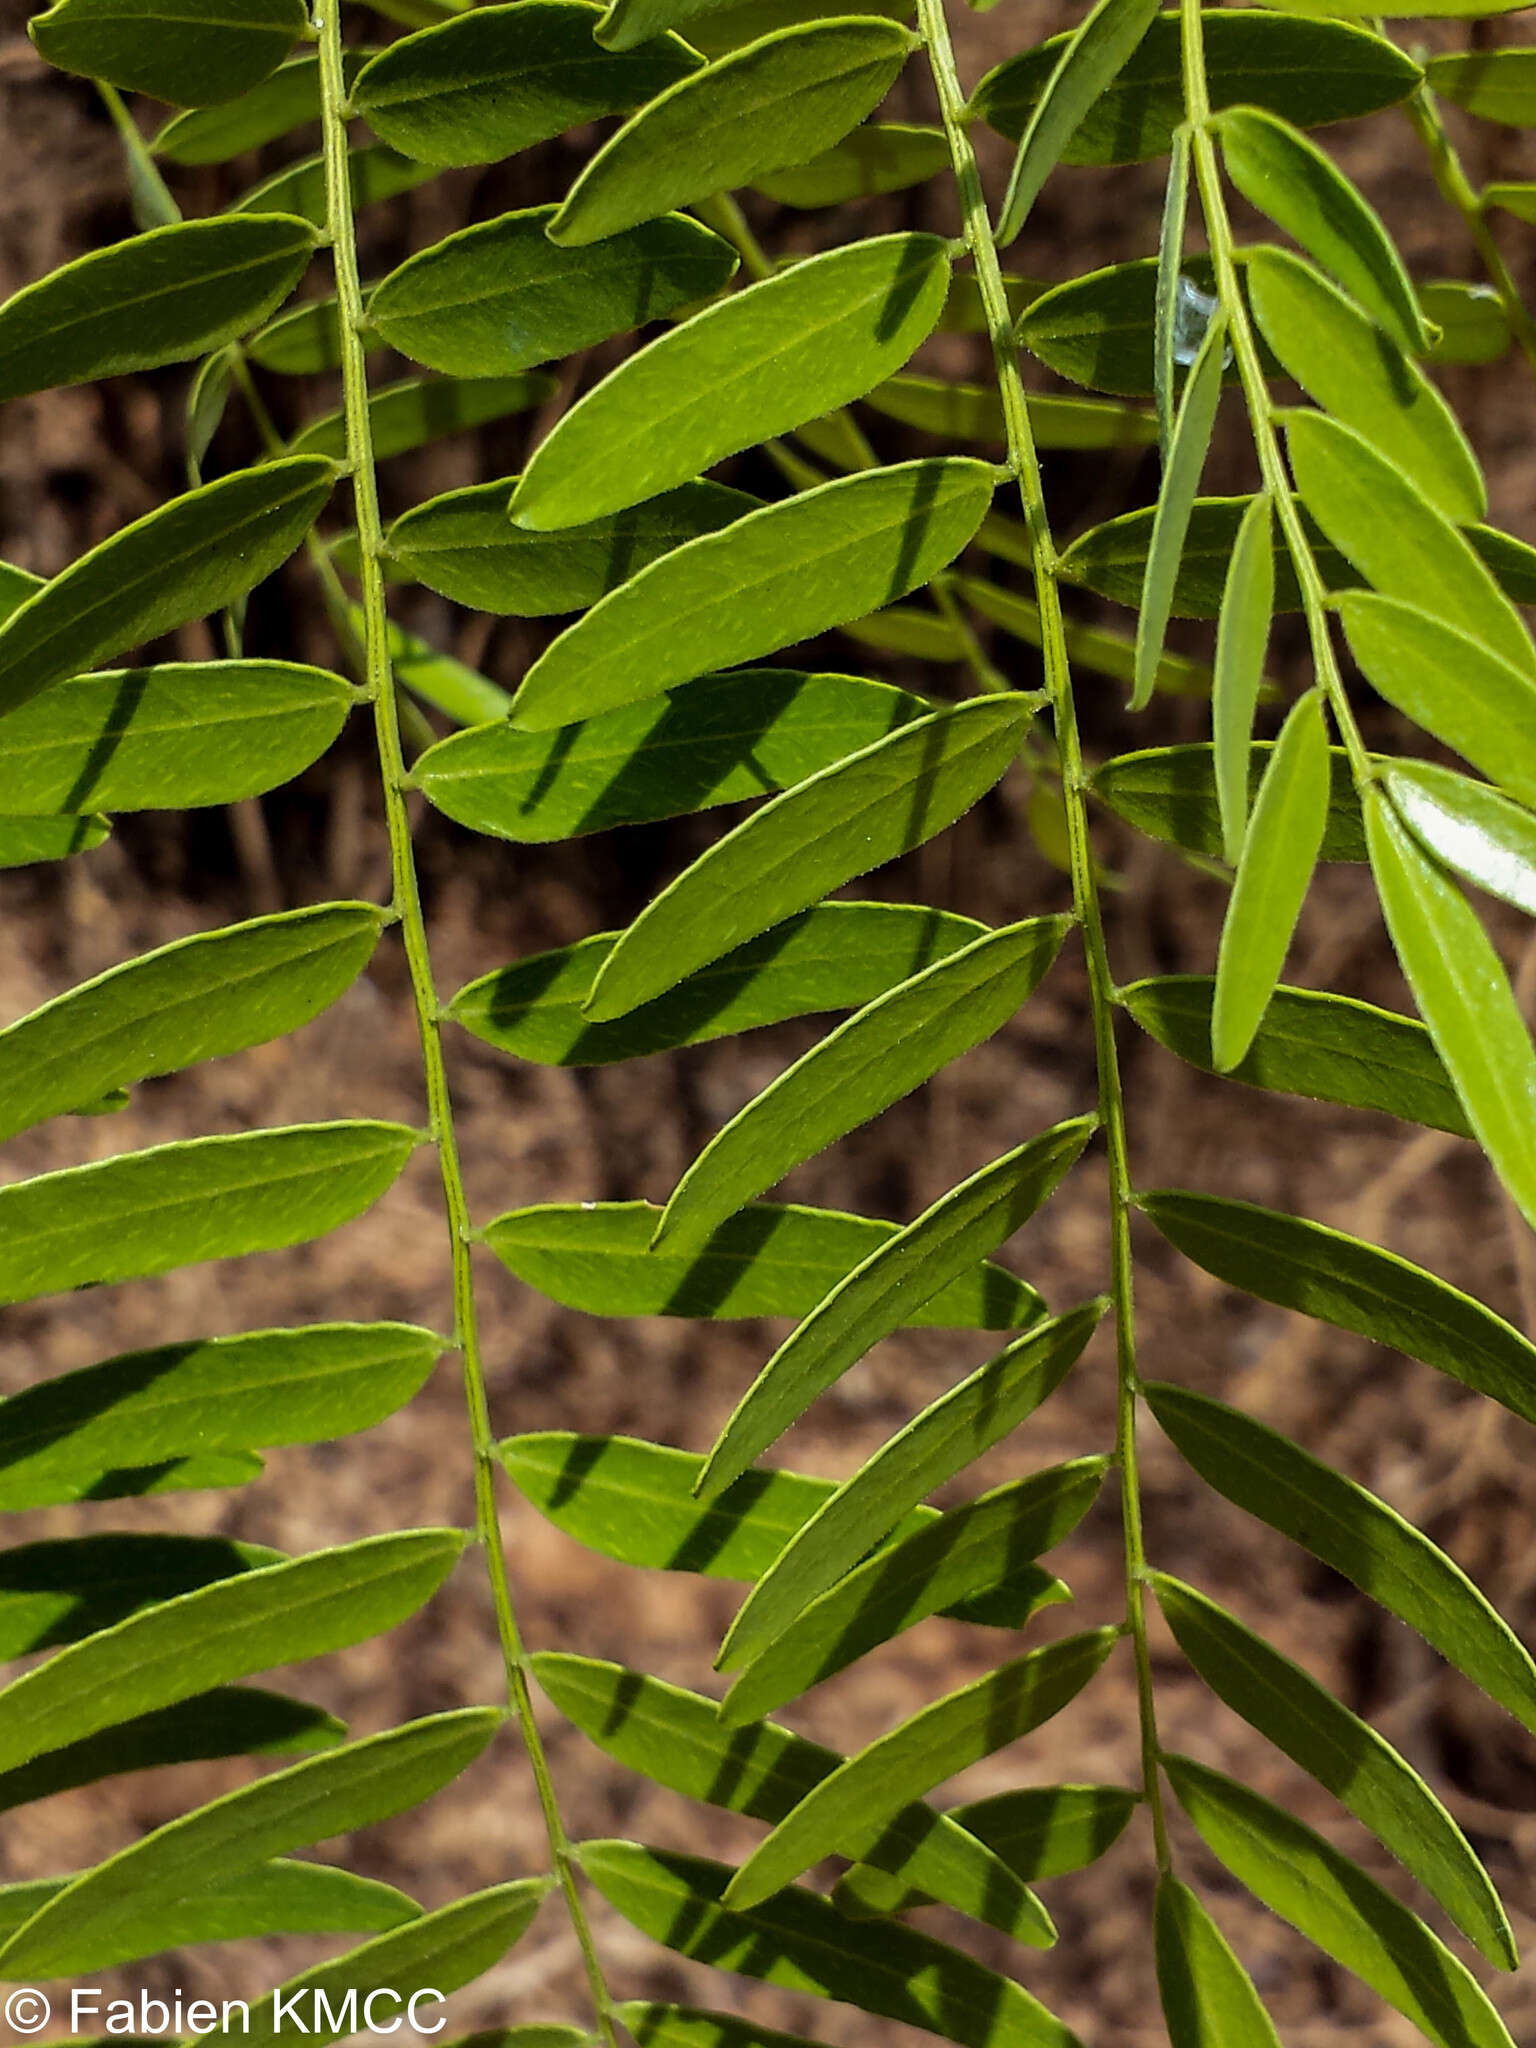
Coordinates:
(73, 465)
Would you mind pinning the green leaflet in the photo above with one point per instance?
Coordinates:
(1242, 639)
(435, 1953)
(179, 562)
(882, 156)
(1279, 857)
(1187, 450)
(1357, 1534)
(1357, 1286)
(756, 364)
(1041, 1831)
(419, 410)
(682, 2026)
(1306, 71)
(773, 578)
(833, 957)
(809, 840)
(1284, 175)
(288, 99)
(162, 297)
(1472, 324)
(1170, 792)
(501, 79)
(1110, 654)
(1469, 827)
(373, 174)
(111, 1914)
(803, 1943)
(463, 545)
(196, 999)
(969, 1550)
(232, 1720)
(1362, 1770)
(279, 1897)
(25, 840)
(850, 1809)
(204, 1198)
(1339, 358)
(129, 1482)
(281, 1614)
(16, 586)
(1464, 996)
(1165, 302)
(636, 1501)
(500, 296)
(877, 1297)
(715, 741)
(1375, 514)
(1449, 682)
(906, 629)
(1091, 58)
(964, 312)
(207, 403)
(866, 1063)
(194, 53)
(1347, 1914)
(1207, 1996)
(1452, 10)
(679, 1739)
(940, 1441)
(255, 1391)
(780, 100)
(974, 412)
(1112, 559)
(1101, 329)
(768, 1260)
(1497, 85)
(56, 1592)
(461, 693)
(1520, 200)
(1330, 1047)
(716, 26)
(303, 341)
(169, 737)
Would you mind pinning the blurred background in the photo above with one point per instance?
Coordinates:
(74, 465)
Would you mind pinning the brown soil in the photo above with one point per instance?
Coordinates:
(74, 465)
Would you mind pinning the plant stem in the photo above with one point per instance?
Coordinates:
(1025, 463)
(1450, 175)
(1261, 415)
(380, 686)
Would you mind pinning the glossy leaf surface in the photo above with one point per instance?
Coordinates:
(162, 297)
(873, 1059)
(183, 560)
(202, 1198)
(808, 841)
(500, 296)
(1469, 827)
(501, 79)
(1357, 1286)
(170, 737)
(780, 100)
(1336, 1520)
(757, 363)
